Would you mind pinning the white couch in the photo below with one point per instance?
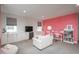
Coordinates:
(42, 41)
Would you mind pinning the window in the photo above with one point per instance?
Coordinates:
(11, 28)
(11, 24)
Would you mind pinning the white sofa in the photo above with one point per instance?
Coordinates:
(42, 41)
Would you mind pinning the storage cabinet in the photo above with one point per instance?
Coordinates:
(68, 36)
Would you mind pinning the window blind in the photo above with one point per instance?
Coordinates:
(11, 21)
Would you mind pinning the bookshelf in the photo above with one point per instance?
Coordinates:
(68, 36)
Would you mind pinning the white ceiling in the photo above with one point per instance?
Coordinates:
(39, 10)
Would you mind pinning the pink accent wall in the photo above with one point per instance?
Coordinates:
(59, 23)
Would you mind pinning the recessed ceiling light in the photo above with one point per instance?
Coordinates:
(43, 16)
(24, 11)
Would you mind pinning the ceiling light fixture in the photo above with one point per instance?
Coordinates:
(43, 16)
(24, 11)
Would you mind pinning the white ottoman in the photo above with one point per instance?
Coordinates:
(9, 49)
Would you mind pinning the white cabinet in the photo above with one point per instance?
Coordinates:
(11, 37)
(4, 39)
(8, 38)
(68, 36)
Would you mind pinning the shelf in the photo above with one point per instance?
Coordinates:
(68, 42)
(68, 36)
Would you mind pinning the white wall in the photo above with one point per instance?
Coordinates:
(21, 23)
(31, 21)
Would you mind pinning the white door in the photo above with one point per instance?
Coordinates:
(9, 32)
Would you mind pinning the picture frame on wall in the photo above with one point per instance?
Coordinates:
(39, 23)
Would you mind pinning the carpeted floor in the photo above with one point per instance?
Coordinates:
(26, 47)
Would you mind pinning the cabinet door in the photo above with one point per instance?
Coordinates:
(4, 39)
(11, 37)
